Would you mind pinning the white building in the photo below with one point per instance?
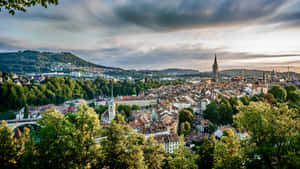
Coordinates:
(169, 141)
(109, 114)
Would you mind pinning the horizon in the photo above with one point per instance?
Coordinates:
(155, 35)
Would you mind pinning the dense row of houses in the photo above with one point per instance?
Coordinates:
(159, 114)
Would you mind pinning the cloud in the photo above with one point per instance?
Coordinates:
(157, 34)
(181, 14)
(8, 44)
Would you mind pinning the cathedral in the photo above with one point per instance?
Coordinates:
(215, 70)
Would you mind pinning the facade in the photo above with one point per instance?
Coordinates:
(215, 68)
(111, 109)
(109, 115)
(169, 141)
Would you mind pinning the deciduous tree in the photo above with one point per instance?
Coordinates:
(21, 5)
(273, 131)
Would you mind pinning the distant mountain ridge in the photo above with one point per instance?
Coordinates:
(174, 71)
(34, 61)
(29, 61)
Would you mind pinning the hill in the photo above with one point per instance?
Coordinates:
(35, 61)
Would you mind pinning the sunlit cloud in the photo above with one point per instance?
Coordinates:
(153, 34)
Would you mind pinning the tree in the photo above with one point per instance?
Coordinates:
(20, 5)
(273, 131)
(55, 149)
(121, 147)
(185, 115)
(268, 97)
(135, 107)
(126, 110)
(212, 113)
(67, 141)
(206, 153)
(225, 112)
(185, 128)
(245, 100)
(26, 111)
(154, 154)
(87, 127)
(182, 158)
(293, 94)
(227, 152)
(101, 109)
(279, 93)
(11, 146)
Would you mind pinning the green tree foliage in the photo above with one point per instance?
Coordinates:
(154, 154)
(206, 153)
(101, 109)
(185, 128)
(227, 152)
(293, 94)
(274, 131)
(135, 107)
(279, 93)
(185, 115)
(26, 111)
(245, 100)
(182, 158)
(221, 112)
(121, 147)
(125, 109)
(21, 5)
(212, 113)
(56, 90)
(87, 129)
(11, 147)
(225, 112)
(65, 141)
(268, 97)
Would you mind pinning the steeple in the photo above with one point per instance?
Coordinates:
(112, 91)
(216, 62)
(215, 68)
(111, 105)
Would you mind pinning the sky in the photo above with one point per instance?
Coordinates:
(156, 34)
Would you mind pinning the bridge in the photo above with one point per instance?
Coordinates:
(13, 124)
(19, 123)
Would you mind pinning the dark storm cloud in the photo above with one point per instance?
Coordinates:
(179, 14)
(122, 15)
(288, 20)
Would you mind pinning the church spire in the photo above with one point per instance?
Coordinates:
(112, 90)
(215, 70)
(216, 62)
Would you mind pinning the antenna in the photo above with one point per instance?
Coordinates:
(112, 89)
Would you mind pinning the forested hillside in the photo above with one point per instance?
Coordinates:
(56, 90)
(34, 61)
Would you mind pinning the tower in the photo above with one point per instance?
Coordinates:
(111, 106)
(215, 68)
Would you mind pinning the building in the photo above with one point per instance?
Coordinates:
(109, 114)
(215, 68)
(169, 141)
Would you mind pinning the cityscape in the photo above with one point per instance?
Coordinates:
(168, 85)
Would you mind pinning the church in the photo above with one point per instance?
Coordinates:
(110, 113)
(215, 70)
